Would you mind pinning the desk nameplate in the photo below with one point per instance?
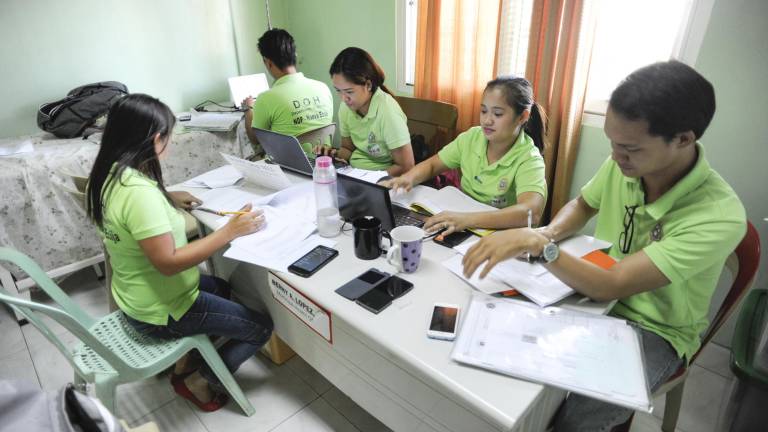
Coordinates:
(305, 309)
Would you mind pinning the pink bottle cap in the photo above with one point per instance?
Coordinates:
(323, 161)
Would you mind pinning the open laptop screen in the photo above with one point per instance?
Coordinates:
(359, 198)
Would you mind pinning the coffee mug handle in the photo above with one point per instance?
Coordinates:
(385, 234)
(394, 253)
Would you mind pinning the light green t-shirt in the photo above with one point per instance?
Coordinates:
(135, 209)
(687, 233)
(383, 129)
(499, 184)
(294, 105)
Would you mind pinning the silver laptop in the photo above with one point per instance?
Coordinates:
(284, 150)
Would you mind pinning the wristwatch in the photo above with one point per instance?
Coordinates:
(549, 254)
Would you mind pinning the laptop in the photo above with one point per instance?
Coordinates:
(240, 87)
(286, 151)
(359, 198)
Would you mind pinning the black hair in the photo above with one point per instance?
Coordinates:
(518, 93)
(128, 142)
(359, 67)
(277, 45)
(671, 96)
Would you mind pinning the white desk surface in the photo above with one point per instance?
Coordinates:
(398, 333)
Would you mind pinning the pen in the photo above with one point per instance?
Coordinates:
(530, 219)
(220, 213)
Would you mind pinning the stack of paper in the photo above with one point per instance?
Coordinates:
(593, 355)
(530, 279)
(213, 121)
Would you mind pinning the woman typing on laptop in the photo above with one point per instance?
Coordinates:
(155, 280)
(374, 133)
(500, 162)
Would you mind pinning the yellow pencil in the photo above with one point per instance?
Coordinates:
(220, 213)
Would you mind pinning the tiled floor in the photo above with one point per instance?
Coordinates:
(289, 398)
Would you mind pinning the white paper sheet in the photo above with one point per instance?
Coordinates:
(592, 355)
(362, 174)
(224, 176)
(260, 173)
(281, 234)
(489, 285)
(280, 263)
(228, 199)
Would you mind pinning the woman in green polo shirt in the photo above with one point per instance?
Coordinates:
(500, 161)
(373, 127)
(155, 280)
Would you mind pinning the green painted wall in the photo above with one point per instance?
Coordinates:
(181, 51)
(323, 28)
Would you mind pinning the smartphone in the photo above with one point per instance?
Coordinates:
(452, 239)
(313, 261)
(445, 318)
(378, 298)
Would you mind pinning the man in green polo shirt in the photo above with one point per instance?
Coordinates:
(672, 220)
(295, 104)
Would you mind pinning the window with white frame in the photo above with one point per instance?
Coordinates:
(629, 34)
(407, 11)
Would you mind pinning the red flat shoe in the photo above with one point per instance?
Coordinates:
(214, 404)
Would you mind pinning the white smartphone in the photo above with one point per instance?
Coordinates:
(445, 319)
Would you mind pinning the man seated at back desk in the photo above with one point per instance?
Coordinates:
(295, 104)
(672, 220)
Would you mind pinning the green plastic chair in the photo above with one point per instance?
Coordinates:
(110, 351)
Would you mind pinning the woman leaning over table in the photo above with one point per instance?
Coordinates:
(500, 161)
(373, 127)
(155, 280)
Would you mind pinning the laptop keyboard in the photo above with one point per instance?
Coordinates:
(404, 217)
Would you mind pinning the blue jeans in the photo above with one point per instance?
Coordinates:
(582, 413)
(214, 314)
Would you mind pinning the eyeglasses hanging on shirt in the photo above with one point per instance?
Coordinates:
(626, 236)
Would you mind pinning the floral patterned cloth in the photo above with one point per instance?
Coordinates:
(43, 220)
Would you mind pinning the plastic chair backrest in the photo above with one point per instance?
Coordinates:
(747, 257)
(67, 314)
(318, 136)
(436, 121)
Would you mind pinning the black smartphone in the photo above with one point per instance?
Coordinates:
(313, 261)
(378, 298)
(452, 239)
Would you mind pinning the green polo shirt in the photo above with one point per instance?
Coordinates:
(294, 105)
(499, 184)
(687, 233)
(383, 129)
(135, 209)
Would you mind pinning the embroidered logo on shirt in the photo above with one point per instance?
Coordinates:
(657, 233)
(371, 138)
(503, 184)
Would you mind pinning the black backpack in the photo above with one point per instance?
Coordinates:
(73, 115)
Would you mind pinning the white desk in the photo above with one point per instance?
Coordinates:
(385, 362)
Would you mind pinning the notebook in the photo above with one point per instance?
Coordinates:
(240, 87)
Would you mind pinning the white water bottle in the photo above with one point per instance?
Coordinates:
(326, 197)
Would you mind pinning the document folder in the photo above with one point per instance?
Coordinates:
(593, 355)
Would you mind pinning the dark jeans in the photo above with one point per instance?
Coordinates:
(214, 314)
(582, 413)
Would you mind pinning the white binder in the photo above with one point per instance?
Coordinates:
(593, 355)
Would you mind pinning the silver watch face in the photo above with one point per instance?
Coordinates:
(550, 252)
